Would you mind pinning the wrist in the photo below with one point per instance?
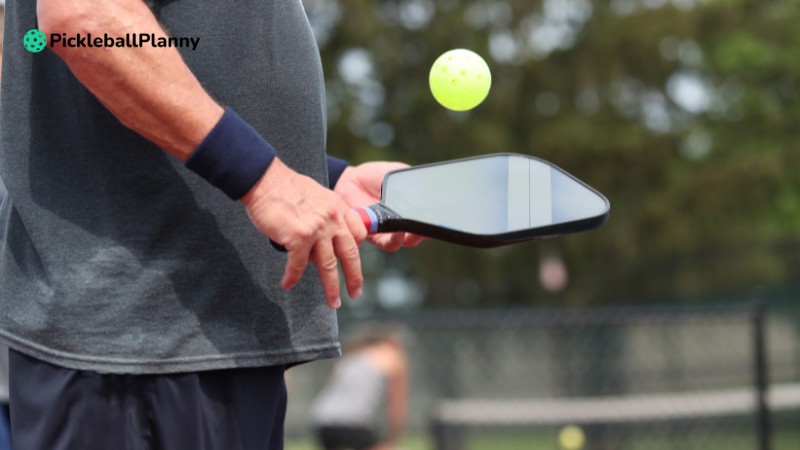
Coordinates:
(268, 180)
(233, 156)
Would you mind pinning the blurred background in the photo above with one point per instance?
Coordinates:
(684, 114)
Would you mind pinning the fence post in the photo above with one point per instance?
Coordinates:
(763, 425)
(446, 436)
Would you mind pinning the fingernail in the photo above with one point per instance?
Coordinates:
(358, 292)
(337, 303)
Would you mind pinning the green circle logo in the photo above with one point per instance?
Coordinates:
(34, 41)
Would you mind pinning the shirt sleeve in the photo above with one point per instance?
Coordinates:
(336, 167)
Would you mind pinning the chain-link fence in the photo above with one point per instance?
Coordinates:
(656, 378)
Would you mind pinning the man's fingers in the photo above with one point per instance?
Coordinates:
(389, 242)
(348, 254)
(296, 264)
(394, 241)
(356, 226)
(325, 259)
(413, 240)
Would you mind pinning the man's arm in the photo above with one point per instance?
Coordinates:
(153, 92)
(150, 90)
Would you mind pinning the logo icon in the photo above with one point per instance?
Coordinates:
(34, 41)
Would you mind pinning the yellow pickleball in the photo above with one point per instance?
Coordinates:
(571, 438)
(460, 79)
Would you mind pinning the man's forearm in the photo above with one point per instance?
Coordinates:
(150, 90)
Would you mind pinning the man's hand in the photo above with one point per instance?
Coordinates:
(361, 186)
(314, 225)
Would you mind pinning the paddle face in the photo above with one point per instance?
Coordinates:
(487, 201)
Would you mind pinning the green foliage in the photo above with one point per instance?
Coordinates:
(684, 114)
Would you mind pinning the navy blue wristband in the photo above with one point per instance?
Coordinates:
(232, 157)
(336, 167)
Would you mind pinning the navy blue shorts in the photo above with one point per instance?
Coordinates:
(55, 408)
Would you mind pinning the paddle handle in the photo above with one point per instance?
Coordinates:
(369, 217)
(378, 218)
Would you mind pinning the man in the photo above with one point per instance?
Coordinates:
(142, 300)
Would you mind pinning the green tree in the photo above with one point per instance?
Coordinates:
(682, 112)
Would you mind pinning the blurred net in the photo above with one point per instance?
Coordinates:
(638, 378)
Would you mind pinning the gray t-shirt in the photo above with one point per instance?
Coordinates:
(113, 256)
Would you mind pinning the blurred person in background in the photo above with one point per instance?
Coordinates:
(371, 376)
